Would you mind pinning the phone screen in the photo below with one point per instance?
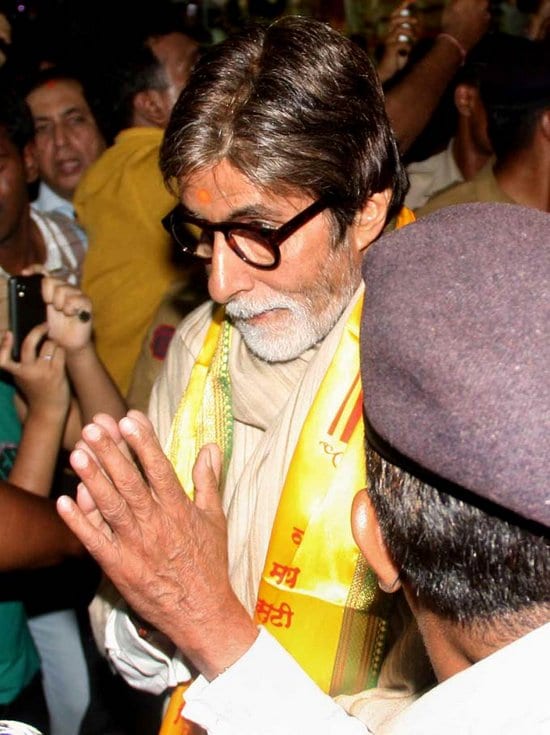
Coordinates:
(26, 308)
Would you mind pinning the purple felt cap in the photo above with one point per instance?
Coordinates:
(455, 350)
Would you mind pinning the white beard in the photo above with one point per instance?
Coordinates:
(308, 320)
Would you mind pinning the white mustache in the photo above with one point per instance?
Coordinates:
(247, 310)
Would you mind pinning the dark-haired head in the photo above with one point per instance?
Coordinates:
(293, 105)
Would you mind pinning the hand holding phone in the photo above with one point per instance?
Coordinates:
(26, 308)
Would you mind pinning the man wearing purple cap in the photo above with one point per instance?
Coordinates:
(455, 350)
(455, 356)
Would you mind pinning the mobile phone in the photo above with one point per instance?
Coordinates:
(26, 308)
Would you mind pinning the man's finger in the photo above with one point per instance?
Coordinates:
(206, 478)
(138, 432)
(111, 426)
(84, 500)
(88, 506)
(116, 462)
(111, 503)
(93, 539)
(5, 351)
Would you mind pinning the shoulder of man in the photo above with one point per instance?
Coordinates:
(482, 188)
(72, 232)
(455, 194)
(430, 177)
(65, 233)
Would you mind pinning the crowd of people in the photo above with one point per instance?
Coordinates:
(292, 396)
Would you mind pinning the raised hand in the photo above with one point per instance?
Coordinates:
(402, 33)
(69, 314)
(166, 554)
(43, 407)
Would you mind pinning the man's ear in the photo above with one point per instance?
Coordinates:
(370, 221)
(149, 108)
(368, 536)
(30, 162)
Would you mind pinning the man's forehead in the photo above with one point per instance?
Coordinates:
(56, 91)
(224, 189)
(219, 182)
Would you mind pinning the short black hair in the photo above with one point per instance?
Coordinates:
(467, 563)
(129, 70)
(515, 93)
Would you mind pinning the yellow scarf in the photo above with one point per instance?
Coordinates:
(317, 595)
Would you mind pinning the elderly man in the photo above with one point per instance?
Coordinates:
(455, 355)
(287, 168)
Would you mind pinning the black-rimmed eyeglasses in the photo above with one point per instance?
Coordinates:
(259, 246)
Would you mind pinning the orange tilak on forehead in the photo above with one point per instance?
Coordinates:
(204, 196)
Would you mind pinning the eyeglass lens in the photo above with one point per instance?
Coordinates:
(250, 245)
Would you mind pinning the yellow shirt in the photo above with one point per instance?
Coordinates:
(127, 270)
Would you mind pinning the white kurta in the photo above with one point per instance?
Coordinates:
(265, 692)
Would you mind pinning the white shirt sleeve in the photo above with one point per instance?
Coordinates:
(266, 692)
(138, 662)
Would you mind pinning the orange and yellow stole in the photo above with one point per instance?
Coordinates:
(317, 595)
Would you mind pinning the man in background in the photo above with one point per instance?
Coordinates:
(516, 96)
(67, 136)
(469, 148)
(120, 202)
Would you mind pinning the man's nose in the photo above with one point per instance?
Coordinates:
(60, 134)
(228, 274)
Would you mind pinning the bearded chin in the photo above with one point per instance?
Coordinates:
(292, 335)
(290, 326)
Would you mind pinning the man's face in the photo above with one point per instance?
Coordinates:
(14, 199)
(177, 53)
(67, 138)
(279, 313)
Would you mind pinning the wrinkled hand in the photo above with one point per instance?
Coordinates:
(41, 377)
(166, 554)
(466, 20)
(65, 303)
